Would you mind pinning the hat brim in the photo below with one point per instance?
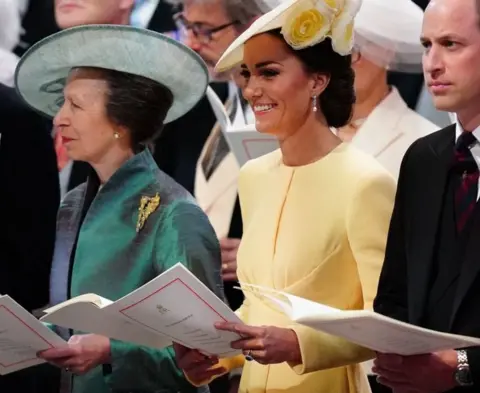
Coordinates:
(42, 72)
(388, 33)
(267, 22)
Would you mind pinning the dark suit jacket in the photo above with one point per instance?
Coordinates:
(29, 199)
(38, 23)
(162, 19)
(406, 275)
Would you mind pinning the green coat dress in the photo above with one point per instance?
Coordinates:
(98, 250)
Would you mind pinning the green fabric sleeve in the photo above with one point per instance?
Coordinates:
(136, 368)
(184, 235)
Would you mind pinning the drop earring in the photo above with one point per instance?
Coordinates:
(116, 135)
(314, 103)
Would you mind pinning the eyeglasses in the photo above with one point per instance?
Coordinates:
(203, 34)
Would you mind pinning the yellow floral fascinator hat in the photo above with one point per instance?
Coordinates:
(303, 23)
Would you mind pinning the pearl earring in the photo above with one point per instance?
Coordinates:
(314, 103)
(116, 135)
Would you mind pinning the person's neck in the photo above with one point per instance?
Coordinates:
(121, 19)
(363, 108)
(371, 100)
(110, 163)
(308, 144)
(469, 118)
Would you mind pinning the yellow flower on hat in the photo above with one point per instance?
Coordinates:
(337, 5)
(343, 28)
(342, 37)
(308, 23)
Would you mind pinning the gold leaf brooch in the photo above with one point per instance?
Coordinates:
(147, 206)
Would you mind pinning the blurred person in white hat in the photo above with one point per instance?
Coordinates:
(10, 30)
(304, 206)
(110, 93)
(387, 37)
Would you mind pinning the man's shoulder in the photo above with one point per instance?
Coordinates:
(13, 109)
(437, 138)
(10, 100)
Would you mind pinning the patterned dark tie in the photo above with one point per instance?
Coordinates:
(467, 189)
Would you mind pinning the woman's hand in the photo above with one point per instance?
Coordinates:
(229, 249)
(196, 366)
(265, 344)
(83, 353)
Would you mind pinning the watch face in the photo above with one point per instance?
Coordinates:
(463, 377)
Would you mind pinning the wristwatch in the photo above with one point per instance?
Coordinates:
(462, 375)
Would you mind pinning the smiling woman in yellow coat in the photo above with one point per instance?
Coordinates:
(316, 212)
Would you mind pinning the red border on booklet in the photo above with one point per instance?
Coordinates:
(160, 289)
(30, 328)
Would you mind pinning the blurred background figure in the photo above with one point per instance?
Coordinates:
(386, 38)
(29, 199)
(10, 30)
(209, 27)
(38, 22)
(194, 150)
(70, 13)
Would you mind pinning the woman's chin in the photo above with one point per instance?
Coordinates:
(264, 127)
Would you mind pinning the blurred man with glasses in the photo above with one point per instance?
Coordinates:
(209, 27)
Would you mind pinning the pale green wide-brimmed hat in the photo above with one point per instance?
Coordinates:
(43, 70)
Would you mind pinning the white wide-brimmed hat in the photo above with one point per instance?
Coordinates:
(43, 70)
(303, 23)
(387, 32)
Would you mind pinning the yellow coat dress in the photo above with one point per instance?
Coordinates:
(317, 231)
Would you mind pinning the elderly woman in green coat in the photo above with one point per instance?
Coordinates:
(110, 90)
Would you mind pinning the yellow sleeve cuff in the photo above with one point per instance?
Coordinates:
(321, 351)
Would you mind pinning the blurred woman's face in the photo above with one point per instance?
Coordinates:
(70, 13)
(276, 85)
(86, 132)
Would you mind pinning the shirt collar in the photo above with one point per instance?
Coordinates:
(459, 129)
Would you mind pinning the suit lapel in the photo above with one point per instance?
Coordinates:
(470, 266)
(431, 180)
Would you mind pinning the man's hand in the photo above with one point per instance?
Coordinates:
(229, 249)
(431, 373)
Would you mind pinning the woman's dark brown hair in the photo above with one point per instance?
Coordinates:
(337, 100)
(139, 104)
